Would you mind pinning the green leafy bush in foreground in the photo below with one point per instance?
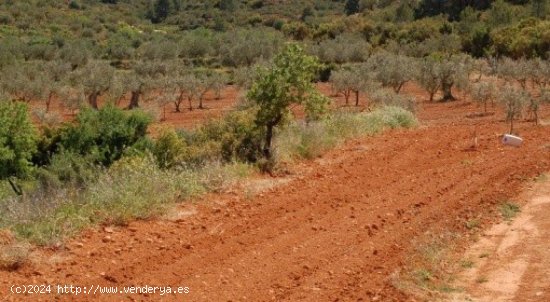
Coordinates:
(74, 154)
(104, 133)
(18, 139)
(232, 138)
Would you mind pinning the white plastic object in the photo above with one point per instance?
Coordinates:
(512, 140)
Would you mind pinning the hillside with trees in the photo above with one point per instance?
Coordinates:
(132, 29)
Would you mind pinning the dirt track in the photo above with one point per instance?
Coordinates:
(517, 266)
(335, 232)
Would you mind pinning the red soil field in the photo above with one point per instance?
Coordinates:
(339, 230)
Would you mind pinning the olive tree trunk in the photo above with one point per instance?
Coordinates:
(447, 92)
(92, 99)
(134, 100)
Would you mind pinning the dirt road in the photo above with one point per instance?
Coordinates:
(516, 256)
(336, 232)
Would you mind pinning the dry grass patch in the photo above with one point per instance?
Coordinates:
(13, 254)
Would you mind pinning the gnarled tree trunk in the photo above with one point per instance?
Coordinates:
(269, 137)
(200, 103)
(190, 100)
(178, 102)
(347, 94)
(447, 92)
(49, 101)
(92, 100)
(134, 100)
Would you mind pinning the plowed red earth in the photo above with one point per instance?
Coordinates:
(335, 232)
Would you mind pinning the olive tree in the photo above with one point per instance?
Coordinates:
(536, 101)
(76, 54)
(393, 70)
(94, 79)
(199, 43)
(343, 81)
(480, 67)
(345, 48)
(26, 82)
(515, 70)
(205, 83)
(513, 101)
(246, 47)
(208, 81)
(218, 82)
(119, 86)
(428, 76)
(540, 73)
(288, 81)
(522, 71)
(142, 79)
(451, 70)
(188, 87)
(483, 93)
(244, 77)
(73, 98)
(163, 50)
(55, 75)
(355, 79)
(169, 92)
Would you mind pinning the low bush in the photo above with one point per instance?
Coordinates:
(68, 169)
(98, 136)
(104, 133)
(301, 140)
(387, 97)
(13, 255)
(233, 138)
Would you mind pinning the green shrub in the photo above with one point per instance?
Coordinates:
(509, 210)
(5, 18)
(68, 169)
(233, 138)
(169, 149)
(74, 5)
(397, 117)
(18, 140)
(237, 134)
(104, 133)
(528, 38)
(387, 97)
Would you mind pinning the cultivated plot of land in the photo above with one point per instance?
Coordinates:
(337, 231)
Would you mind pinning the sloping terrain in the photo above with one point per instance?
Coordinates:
(337, 231)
